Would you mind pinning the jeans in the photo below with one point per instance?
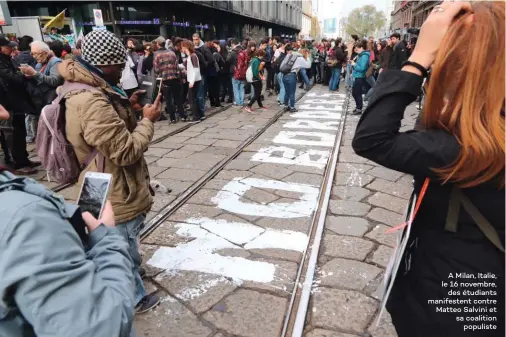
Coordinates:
(334, 80)
(349, 77)
(290, 83)
(306, 80)
(172, 94)
(202, 94)
(255, 96)
(238, 86)
(281, 87)
(130, 231)
(31, 122)
(357, 92)
(270, 79)
(372, 82)
(193, 94)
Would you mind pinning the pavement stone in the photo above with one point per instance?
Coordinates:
(304, 178)
(284, 277)
(199, 161)
(381, 256)
(170, 319)
(166, 235)
(201, 141)
(347, 247)
(348, 274)
(281, 254)
(353, 193)
(353, 167)
(180, 153)
(181, 174)
(345, 225)
(194, 147)
(379, 234)
(295, 224)
(241, 164)
(264, 312)
(326, 333)
(156, 152)
(352, 179)
(223, 151)
(177, 186)
(228, 143)
(385, 327)
(155, 170)
(273, 171)
(195, 211)
(203, 197)
(198, 290)
(338, 309)
(384, 173)
(389, 202)
(396, 189)
(346, 207)
(382, 215)
(231, 174)
(162, 200)
(406, 179)
(260, 196)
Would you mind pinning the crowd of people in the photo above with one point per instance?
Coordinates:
(460, 149)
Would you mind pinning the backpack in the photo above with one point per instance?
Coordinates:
(287, 64)
(249, 74)
(278, 61)
(202, 60)
(216, 64)
(54, 150)
(242, 65)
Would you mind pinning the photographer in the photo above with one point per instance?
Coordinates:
(55, 282)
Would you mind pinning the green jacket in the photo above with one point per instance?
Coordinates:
(255, 65)
(50, 285)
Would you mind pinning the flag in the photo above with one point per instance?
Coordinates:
(57, 22)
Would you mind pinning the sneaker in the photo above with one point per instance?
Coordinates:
(286, 108)
(264, 108)
(356, 112)
(248, 109)
(293, 110)
(147, 303)
(173, 121)
(202, 118)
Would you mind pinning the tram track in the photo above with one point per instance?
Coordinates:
(169, 209)
(295, 317)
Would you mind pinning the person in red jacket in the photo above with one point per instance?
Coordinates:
(239, 60)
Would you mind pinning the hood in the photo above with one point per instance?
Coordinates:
(74, 71)
(200, 44)
(365, 52)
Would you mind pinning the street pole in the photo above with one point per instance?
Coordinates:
(115, 27)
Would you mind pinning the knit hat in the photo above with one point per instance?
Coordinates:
(103, 48)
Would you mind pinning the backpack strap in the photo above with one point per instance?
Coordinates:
(457, 197)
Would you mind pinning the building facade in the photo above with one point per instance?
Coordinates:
(149, 19)
(307, 14)
(408, 16)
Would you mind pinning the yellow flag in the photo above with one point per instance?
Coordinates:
(57, 22)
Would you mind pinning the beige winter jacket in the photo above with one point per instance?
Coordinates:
(106, 121)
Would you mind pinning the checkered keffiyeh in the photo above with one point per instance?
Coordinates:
(102, 48)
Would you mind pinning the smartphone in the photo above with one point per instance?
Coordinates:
(158, 88)
(24, 65)
(94, 192)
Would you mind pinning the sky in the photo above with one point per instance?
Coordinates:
(349, 5)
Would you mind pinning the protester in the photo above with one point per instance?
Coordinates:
(18, 103)
(128, 76)
(47, 80)
(213, 83)
(205, 62)
(336, 60)
(25, 55)
(385, 50)
(166, 67)
(399, 52)
(238, 61)
(459, 151)
(359, 74)
(102, 127)
(225, 75)
(44, 260)
(256, 66)
(193, 78)
(290, 78)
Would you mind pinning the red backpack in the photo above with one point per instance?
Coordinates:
(241, 66)
(54, 150)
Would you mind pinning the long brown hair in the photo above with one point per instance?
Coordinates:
(466, 95)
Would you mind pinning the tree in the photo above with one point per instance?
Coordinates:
(364, 21)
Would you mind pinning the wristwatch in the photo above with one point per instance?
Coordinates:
(417, 66)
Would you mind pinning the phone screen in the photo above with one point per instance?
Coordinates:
(94, 193)
(158, 88)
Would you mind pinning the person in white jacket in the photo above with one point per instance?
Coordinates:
(193, 76)
(290, 79)
(128, 79)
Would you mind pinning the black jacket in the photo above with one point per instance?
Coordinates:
(208, 57)
(232, 58)
(340, 56)
(384, 57)
(399, 55)
(17, 99)
(435, 252)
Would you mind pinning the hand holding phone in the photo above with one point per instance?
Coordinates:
(107, 218)
(93, 196)
(152, 112)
